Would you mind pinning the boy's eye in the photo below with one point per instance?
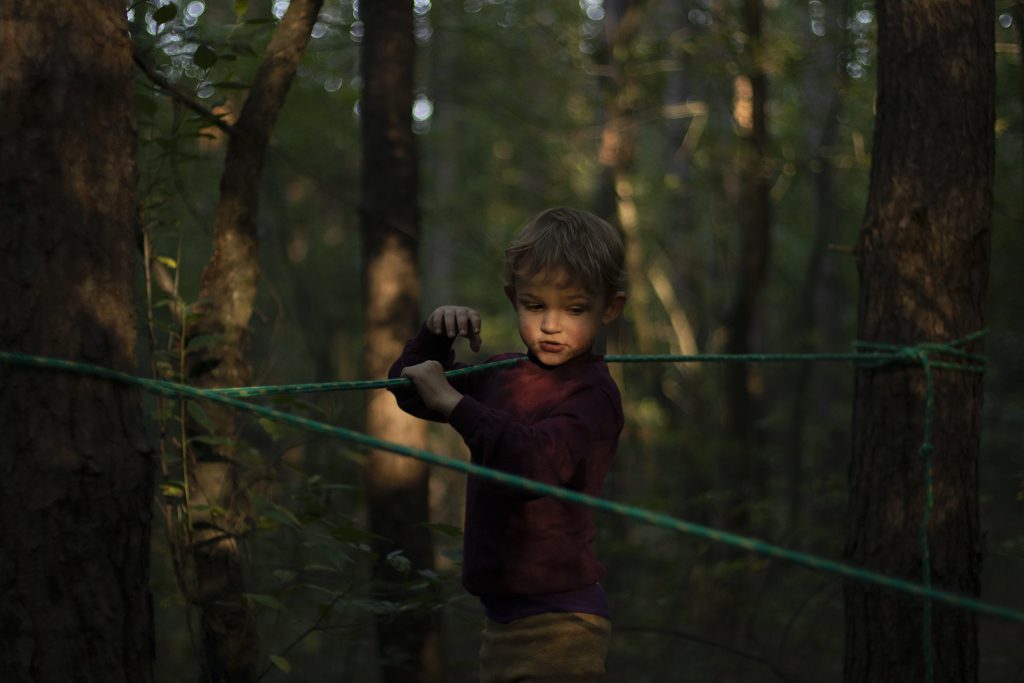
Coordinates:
(531, 306)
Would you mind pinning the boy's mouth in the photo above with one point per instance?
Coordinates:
(550, 347)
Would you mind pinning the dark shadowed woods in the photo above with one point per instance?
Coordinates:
(265, 192)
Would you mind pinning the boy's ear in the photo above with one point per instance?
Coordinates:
(614, 308)
(510, 293)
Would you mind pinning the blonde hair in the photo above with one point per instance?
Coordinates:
(588, 249)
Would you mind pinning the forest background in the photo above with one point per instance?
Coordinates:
(647, 113)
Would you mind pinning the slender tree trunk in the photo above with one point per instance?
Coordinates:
(923, 265)
(741, 476)
(1018, 27)
(226, 299)
(823, 95)
(682, 281)
(76, 482)
(755, 219)
(408, 643)
(447, 133)
(615, 201)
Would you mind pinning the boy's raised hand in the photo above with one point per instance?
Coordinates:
(456, 321)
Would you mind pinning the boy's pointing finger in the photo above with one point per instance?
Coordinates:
(474, 330)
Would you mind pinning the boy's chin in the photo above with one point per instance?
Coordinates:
(553, 358)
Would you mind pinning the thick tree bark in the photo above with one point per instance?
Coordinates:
(76, 482)
(226, 299)
(923, 265)
(408, 645)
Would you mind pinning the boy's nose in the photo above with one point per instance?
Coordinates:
(549, 323)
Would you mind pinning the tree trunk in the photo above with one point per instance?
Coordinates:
(615, 201)
(1018, 29)
(76, 483)
(447, 126)
(408, 643)
(226, 299)
(755, 222)
(823, 101)
(923, 266)
(685, 120)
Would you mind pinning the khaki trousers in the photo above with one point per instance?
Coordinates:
(558, 647)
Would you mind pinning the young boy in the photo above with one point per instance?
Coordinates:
(555, 417)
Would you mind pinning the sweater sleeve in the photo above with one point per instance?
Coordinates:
(555, 450)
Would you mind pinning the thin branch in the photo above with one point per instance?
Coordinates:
(169, 88)
(821, 588)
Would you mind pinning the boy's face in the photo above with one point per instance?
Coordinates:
(559, 318)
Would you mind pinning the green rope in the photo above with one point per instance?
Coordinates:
(357, 385)
(865, 358)
(661, 520)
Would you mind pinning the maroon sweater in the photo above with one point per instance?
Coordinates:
(557, 425)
